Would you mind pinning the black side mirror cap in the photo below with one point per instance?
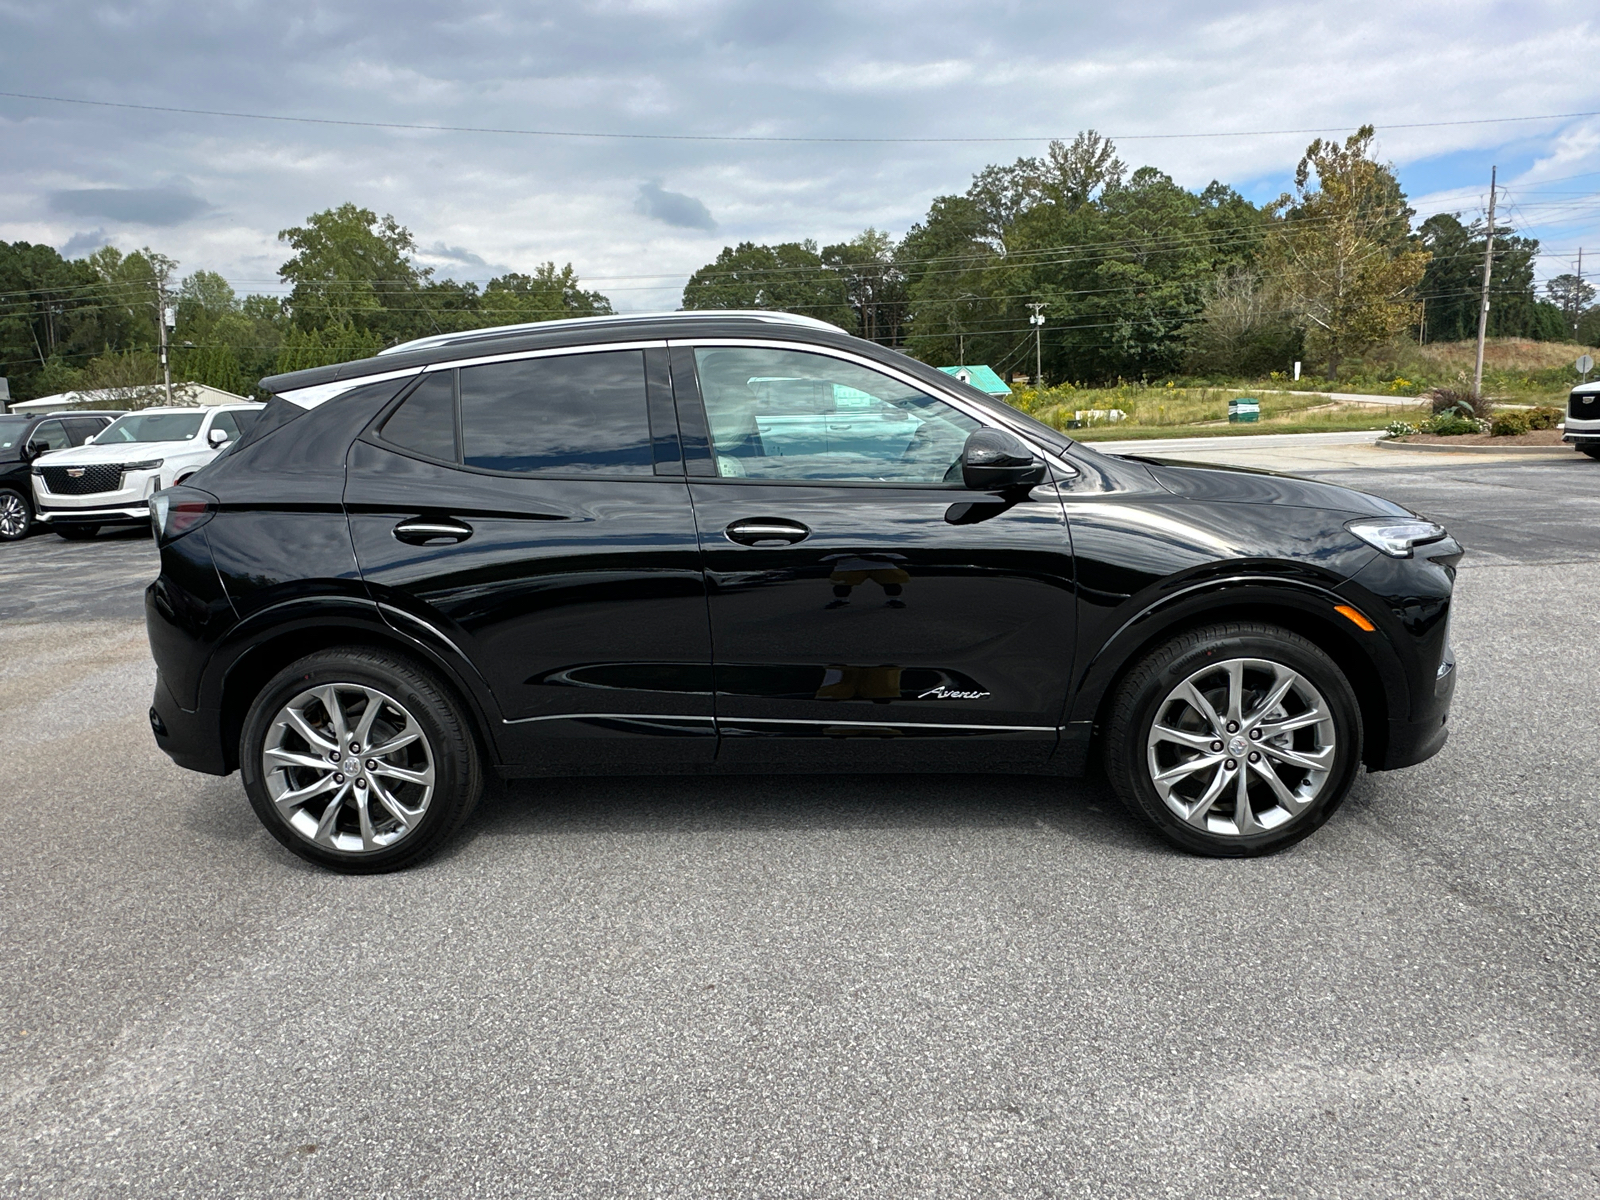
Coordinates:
(994, 460)
(34, 449)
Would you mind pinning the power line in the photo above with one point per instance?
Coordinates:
(724, 137)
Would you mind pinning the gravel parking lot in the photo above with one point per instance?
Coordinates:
(796, 987)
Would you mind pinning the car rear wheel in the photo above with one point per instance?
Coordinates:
(1591, 451)
(77, 533)
(360, 761)
(16, 515)
(1234, 740)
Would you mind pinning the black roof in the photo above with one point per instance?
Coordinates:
(584, 332)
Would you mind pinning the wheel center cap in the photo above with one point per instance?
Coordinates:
(1237, 745)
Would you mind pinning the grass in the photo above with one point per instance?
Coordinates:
(1515, 372)
(1199, 412)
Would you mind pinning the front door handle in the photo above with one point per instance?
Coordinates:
(766, 531)
(421, 531)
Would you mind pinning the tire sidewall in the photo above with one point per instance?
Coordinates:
(1176, 663)
(455, 761)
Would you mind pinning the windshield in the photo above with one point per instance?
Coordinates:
(10, 430)
(151, 427)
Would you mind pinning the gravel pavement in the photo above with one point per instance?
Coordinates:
(809, 987)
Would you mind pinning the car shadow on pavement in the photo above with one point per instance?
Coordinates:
(1081, 810)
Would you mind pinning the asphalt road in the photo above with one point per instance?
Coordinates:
(799, 987)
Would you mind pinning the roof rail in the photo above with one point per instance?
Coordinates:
(465, 335)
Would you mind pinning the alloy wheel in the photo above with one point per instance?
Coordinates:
(1241, 747)
(348, 768)
(13, 515)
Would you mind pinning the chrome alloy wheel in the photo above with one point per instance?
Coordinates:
(348, 767)
(13, 515)
(1241, 747)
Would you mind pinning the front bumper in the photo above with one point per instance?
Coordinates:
(131, 514)
(1581, 433)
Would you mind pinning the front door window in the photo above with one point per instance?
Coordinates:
(792, 415)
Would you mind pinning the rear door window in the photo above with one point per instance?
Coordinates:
(577, 414)
(81, 429)
(425, 422)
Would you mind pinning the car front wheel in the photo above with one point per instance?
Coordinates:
(359, 760)
(16, 515)
(1234, 740)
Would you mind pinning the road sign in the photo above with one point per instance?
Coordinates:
(1585, 364)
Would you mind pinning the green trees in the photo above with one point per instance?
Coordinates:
(790, 277)
(1346, 252)
(1452, 285)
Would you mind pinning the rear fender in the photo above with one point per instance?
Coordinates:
(270, 638)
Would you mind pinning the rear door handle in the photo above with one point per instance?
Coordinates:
(766, 531)
(420, 531)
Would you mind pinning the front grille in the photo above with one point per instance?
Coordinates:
(82, 481)
(1584, 406)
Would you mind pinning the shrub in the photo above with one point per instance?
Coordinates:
(1463, 401)
(1399, 429)
(1453, 423)
(1509, 424)
(1544, 417)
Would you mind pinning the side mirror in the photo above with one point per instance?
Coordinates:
(994, 460)
(89, 441)
(37, 448)
(218, 437)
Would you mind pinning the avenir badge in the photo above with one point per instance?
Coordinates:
(943, 692)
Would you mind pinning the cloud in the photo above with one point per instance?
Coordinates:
(673, 208)
(453, 254)
(80, 244)
(157, 206)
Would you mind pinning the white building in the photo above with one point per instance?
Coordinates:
(192, 395)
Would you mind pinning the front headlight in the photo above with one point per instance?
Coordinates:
(147, 465)
(1395, 536)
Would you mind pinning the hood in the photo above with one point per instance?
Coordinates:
(117, 452)
(1245, 485)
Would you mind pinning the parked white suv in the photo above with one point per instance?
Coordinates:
(109, 481)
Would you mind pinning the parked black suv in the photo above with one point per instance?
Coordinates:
(23, 437)
(752, 543)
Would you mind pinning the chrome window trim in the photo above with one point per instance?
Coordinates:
(547, 352)
(310, 397)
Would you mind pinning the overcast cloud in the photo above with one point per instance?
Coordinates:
(77, 176)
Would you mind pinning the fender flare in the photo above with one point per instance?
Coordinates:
(364, 618)
(1220, 599)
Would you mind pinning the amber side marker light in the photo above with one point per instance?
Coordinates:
(1355, 617)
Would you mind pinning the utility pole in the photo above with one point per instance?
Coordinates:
(1483, 313)
(163, 318)
(1578, 308)
(1037, 321)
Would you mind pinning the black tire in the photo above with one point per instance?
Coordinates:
(1591, 451)
(16, 515)
(1148, 689)
(457, 764)
(77, 533)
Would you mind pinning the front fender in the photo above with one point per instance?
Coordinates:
(1368, 658)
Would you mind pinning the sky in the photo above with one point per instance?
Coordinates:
(1197, 90)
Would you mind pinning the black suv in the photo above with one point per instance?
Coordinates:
(739, 542)
(23, 437)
